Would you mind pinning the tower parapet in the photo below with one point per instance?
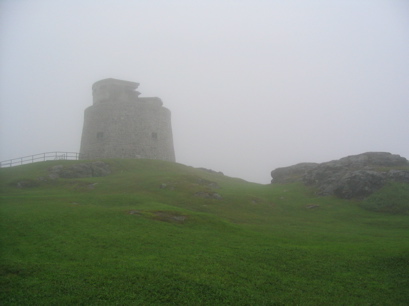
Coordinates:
(112, 90)
(120, 124)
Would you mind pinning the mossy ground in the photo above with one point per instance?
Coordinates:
(127, 239)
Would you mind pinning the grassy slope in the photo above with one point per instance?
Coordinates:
(64, 243)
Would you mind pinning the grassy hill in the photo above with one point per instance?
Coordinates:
(154, 233)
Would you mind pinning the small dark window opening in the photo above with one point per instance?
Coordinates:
(100, 135)
(154, 136)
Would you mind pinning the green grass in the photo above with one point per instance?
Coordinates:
(129, 242)
(393, 199)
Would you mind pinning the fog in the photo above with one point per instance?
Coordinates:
(252, 85)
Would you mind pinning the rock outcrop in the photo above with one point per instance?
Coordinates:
(91, 169)
(354, 176)
(291, 174)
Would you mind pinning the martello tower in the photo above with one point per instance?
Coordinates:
(119, 124)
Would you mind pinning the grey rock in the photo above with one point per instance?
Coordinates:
(355, 176)
(401, 176)
(373, 159)
(359, 184)
(291, 174)
(54, 172)
(91, 169)
(208, 195)
(210, 184)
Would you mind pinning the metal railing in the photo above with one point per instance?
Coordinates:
(40, 157)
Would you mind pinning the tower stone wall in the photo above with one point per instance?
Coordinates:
(120, 124)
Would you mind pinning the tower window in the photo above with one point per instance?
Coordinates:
(154, 135)
(100, 135)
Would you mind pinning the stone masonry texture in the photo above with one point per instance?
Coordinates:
(120, 124)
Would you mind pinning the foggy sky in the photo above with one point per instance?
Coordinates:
(252, 85)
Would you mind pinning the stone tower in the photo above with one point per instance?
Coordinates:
(119, 124)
